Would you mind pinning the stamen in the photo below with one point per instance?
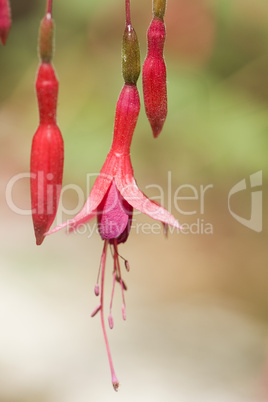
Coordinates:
(120, 280)
(97, 309)
(103, 259)
(165, 225)
(110, 321)
(124, 312)
(97, 288)
(127, 266)
(124, 303)
(110, 318)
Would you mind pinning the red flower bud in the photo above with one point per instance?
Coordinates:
(154, 77)
(5, 20)
(46, 156)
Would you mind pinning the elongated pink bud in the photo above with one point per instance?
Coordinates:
(46, 156)
(154, 77)
(5, 20)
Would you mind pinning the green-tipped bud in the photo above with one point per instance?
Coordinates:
(130, 56)
(46, 39)
(159, 8)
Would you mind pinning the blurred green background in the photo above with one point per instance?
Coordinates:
(197, 304)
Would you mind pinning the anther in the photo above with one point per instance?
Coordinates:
(127, 266)
(97, 309)
(97, 289)
(111, 321)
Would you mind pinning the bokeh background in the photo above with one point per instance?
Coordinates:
(197, 303)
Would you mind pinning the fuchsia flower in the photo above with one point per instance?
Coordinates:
(47, 152)
(114, 195)
(46, 155)
(117, 170)
(115, 192)
(5, 20)
(154, 71)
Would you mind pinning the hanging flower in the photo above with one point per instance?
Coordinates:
(47, 152)
(114, 195)
(115, 192)
(154, 70)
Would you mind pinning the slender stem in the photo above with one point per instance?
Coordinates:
(114, 378)
(112, 296)
(128, 19)
(49, 7)
(120, 279)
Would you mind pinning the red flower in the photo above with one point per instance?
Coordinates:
(154, 77)
(118, 169)
(114, 195)
(5, 20)
(46, 155)
(47, 146)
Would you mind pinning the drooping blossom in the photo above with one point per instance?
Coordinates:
(5, 20)
(114, 195)
(47, 152)
(154, 70)
(115, 192)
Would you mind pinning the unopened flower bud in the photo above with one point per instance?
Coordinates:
(130, 56)
(154, 77)
(5, 20)
(46, 156)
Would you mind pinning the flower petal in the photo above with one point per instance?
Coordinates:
(130, 191)
(96, 195)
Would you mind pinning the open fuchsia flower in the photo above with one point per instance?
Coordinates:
(5, 20)
(154, 70)
(115, 192)
(114, 195)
